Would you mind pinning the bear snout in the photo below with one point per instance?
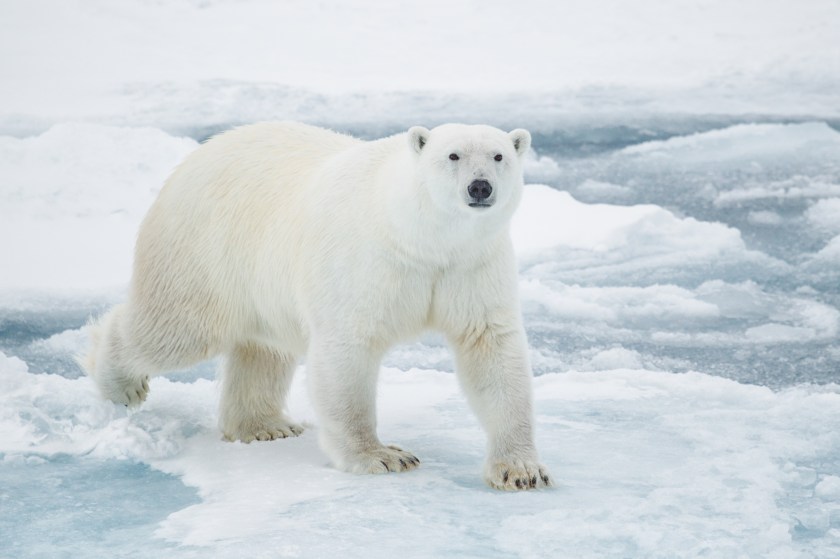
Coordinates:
(479, 190)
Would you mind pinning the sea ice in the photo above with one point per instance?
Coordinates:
(648, 464)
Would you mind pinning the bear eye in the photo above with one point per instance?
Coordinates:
(454, 156)
(498, 157)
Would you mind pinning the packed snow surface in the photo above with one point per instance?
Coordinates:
(187, 64)
(649, 464)
(679, 256)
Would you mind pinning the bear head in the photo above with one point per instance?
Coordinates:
(470, 169)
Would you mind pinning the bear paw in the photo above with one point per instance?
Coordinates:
(382, 460)
(266, 430)
(514, 474)
(131, 392)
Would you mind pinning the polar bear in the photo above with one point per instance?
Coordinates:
(277, 240)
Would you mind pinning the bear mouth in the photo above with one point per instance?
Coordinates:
(480, 205)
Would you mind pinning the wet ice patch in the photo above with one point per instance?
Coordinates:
(65, 506)
(748, 301)
(692, 316)
(623, 307)
(739, 330)
(764, 217)
(795, 188)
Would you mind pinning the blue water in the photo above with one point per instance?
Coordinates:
(71, 507)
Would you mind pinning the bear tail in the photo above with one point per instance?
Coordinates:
(98, 329)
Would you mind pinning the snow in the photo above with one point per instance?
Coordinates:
(62, 189)
(679, 254)
(191, 62)
(642, 464)
(550, 218)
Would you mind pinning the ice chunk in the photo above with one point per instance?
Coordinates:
(548, 217)
(828, 489)
(600, 189)
(539, 167)
(74, 196)
(825, 215)
(605, 244)
(756, 143)
(615, 358)
(823, 267)
(788, 189)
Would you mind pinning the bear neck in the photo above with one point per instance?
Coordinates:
(422, 231)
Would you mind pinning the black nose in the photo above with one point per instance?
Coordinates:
(480, 189)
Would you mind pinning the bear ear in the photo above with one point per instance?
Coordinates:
(417, 137)
(521, 139)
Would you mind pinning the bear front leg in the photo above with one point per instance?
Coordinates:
(492, 366)
(343, 389)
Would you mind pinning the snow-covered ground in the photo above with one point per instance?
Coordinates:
(679, 247)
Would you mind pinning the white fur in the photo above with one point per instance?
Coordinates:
(277, 240)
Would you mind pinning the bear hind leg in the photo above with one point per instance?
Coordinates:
(112, 362)
(255, 383)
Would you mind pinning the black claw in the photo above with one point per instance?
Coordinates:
(384, 464)
(534, 481)
(519, 483)
(403, 464)
(505, 476)
(545, 480)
